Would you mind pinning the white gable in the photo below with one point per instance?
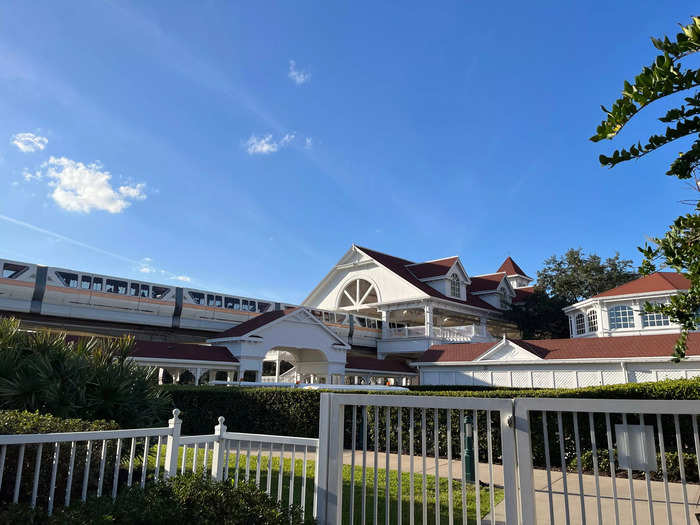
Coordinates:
(507, 350)
(357, 265)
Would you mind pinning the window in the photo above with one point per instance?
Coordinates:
(12, 271)
(85, 282)
(114, 286)
(218, 302)
(340, 318)
(358, 295)
(580, 324)
(158, 292)
(228, 303)
(328, 317)
(592, 321)
(263, 307)
(210, 300)
(144, 290)
(621, 316)
(97, 284)
(650, 320)
(69, 279)
(455, 286)
(197, 298)
(134, 289)
(361, 321)
(248, 305)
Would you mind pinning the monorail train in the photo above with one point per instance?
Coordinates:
(45, 290)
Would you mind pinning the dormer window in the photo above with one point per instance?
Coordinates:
(455, 285)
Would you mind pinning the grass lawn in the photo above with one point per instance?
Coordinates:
(369, 498)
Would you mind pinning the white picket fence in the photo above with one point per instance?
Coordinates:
(397, 458)
(181, 454)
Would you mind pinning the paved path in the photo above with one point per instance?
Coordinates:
(607, 502)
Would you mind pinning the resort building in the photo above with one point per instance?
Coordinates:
(620, 311)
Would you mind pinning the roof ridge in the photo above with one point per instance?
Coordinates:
(433, 260)
(383, 253)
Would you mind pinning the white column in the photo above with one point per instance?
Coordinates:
(160, 376)
(385, 324)
(277, 368)
(429, 320)
(638, 309)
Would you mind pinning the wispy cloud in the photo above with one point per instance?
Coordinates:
(145, 265)
(265, 145)
(299, 77)
(85, 187)
(308, 143)
(29, 176)
(29, 142)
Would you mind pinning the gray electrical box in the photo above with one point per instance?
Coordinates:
(635, 447)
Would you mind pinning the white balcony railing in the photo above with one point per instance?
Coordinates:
(445, 333)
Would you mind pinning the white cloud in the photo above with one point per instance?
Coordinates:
(83, 188)
(265, 145)
(308, 143)
(183, 278)
(261, 146)
(297, 76)
(29, 142)
(29, 176)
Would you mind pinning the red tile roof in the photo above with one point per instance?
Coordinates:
(430, 269)
(485, 283)
(581, 348)
(510, 267)
(253, 324)
(185, 352)
(655, 282)
(401, 268)
(355, 362)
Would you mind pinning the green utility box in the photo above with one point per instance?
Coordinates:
(468, 450)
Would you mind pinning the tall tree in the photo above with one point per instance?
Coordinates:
(575, 276)
(679, 248)
(562, 281)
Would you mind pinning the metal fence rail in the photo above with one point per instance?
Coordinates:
(608, 461)
(404, 437)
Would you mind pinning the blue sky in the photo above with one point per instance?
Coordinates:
(244, 149)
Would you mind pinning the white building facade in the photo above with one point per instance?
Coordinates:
(620, 311)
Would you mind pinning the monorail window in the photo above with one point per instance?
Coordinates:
(340, 318)
(158, 292)
(12, 271)
(97, 284)
(361, 321)
(248, 305)
(328, 317)
(144, 290)
(85, 282)
(210, 300)
(69, 279)
(197, 298)
(371, 323)
(114, 286)
(235, 303)
(134, 289)
(228, 303)
(317, 314)
(263, 307)
(218, 301)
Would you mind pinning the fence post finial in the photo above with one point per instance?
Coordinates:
(217, 458)
(173, 444)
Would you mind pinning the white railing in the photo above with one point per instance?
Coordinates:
(400, 434)
(639, 445)
(445, 333)
(286, 377)
(84, 448)
(407, 331)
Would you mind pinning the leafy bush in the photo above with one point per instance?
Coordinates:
(88, 378)
(22, 422)
(673, 471)
(183, 499)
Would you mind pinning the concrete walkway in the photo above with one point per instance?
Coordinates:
(542, 493)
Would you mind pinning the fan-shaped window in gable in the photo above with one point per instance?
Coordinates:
(359, 295)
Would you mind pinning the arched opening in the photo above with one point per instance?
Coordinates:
(359, 296)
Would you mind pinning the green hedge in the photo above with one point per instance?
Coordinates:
(183, 499)
(281, 411)
(23, 422)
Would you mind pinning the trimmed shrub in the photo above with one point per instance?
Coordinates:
(673, 471)
(23, 422)
(184, 499)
